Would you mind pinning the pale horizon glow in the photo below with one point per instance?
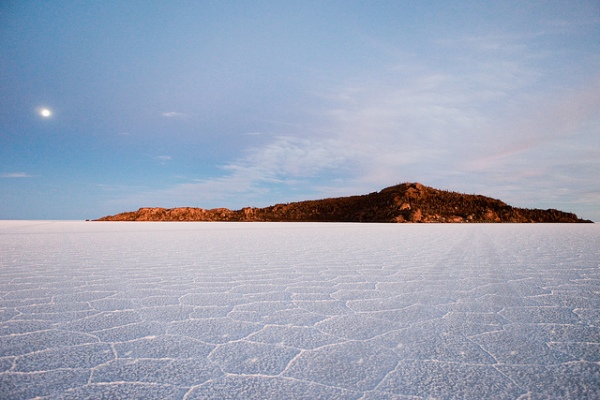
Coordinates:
(235, 104)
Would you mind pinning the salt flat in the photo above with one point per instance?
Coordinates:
(298, 311)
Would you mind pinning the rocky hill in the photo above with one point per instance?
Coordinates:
(407, 202)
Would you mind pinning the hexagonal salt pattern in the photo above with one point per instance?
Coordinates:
(298, 311)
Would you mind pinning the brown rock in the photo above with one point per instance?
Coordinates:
(407, 202)
(416, 216)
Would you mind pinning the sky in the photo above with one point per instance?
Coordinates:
(109, 106)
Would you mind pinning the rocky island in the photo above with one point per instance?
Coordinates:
(406, 202)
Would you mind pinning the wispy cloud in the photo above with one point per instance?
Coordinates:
(175, 114)
(284, 168)
(400, 128)
(287, 162)
(547, 121)
(163, 158)
(16, 175)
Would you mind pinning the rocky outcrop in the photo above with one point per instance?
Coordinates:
(407, 202)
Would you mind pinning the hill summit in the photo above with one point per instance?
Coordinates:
(406, 202)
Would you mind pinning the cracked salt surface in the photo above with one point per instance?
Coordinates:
(298, 311)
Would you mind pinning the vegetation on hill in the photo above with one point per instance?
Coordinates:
(407, 202)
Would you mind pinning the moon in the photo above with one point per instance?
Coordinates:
(46, 113)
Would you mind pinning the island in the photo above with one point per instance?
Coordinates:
(403, 203)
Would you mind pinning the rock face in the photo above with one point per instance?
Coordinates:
(407, 202)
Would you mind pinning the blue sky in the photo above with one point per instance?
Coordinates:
(250, 103)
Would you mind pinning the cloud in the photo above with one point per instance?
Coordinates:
(398, 128)
(163, 158)
(288, 162)
(548, 121)
(285, 168)
(16, 175)
(174, 114)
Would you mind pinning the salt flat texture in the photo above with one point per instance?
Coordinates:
(298, 311)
